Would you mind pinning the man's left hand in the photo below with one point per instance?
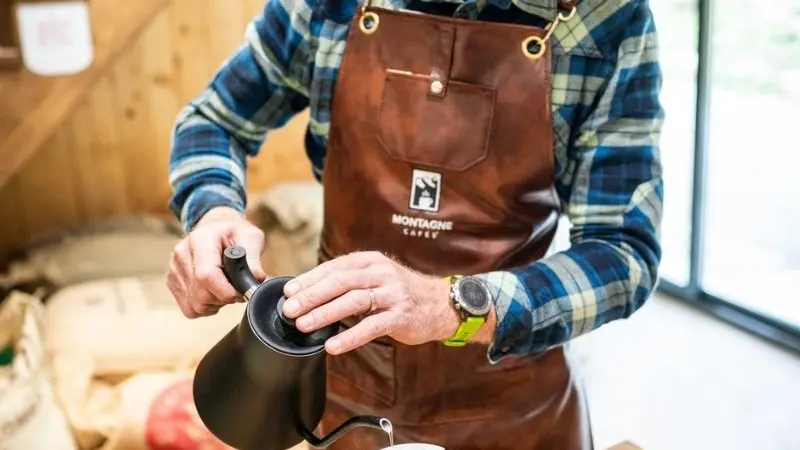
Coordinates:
(398, 302)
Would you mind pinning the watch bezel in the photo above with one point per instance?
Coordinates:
(462, 304)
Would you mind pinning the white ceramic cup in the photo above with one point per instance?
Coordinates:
(414, 447)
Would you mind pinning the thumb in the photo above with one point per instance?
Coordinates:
(252, 240)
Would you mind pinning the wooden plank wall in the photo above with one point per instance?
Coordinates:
(111, 156)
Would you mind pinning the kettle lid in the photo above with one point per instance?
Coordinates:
(271, 327)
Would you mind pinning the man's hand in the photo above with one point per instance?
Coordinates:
(398, 302)
(195, 276)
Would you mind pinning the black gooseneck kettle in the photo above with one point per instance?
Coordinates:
(262, 386)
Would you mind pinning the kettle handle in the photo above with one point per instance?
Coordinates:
(237, 271)
(379, 423)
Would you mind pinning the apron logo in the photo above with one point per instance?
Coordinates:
(420, 227)
(426, 190)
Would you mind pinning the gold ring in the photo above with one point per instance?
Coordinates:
(373, 303)
(369, 16)
(528, 53)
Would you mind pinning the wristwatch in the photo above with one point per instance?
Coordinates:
(472, 299)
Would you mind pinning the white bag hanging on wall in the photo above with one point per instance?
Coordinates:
(55, 37)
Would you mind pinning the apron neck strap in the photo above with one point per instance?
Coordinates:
(563, 5)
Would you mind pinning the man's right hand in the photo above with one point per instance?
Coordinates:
(195, 275)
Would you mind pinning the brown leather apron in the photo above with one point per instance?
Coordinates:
(440, 154)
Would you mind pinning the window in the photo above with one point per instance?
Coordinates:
(751, 254)
(731, 231)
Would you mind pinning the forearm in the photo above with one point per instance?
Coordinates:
(565, 296)
(258, 89)
(607, 274)
(612, 194)
(552, 301)
(204, 170)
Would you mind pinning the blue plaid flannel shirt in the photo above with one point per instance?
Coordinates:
(607, 121)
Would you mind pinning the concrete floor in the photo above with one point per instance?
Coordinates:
(672, 378)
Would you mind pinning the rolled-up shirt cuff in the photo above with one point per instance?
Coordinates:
(515, 333)
(206, 197)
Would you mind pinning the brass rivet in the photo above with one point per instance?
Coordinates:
(437, 87)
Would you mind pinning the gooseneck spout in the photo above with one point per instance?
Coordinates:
(353, 422)
(238, 273)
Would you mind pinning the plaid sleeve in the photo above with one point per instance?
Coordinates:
(261, 87)
(612, 193)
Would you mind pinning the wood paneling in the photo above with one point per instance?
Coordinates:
(111, 155)
(33, 106)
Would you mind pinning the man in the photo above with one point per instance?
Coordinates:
(448, 142)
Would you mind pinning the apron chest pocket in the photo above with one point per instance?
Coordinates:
(446, 132)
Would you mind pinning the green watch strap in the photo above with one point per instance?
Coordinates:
(465, 331)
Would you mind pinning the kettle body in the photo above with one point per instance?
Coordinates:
(253, 397)
(262, 386)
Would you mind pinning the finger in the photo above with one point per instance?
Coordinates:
(178, 289)
(176, 281)
(181, 261)
(199, 299)
(202, 302)
(186, 290)
(192, 300)
(350, 304)
(252, 240)
(205, 310)
(352, 261)
(365, 331)
(335, 285)
(207, 273)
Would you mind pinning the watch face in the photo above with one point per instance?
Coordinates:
(473, 295)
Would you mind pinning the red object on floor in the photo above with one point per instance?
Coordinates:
(173, 423)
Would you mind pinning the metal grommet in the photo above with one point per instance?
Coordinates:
(369, 22)
(533, 47)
